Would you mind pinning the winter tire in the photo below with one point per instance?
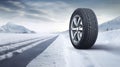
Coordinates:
(83, 28)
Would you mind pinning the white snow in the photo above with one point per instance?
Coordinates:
(61, 53)
(110, 25)
(6, 38)
(53, 56)
(13, 41)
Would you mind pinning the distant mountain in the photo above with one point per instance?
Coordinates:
(13, 28)
(110, 25)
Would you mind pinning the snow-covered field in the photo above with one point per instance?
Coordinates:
(105, 53)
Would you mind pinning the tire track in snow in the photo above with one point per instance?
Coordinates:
(19, 48)
(1, 45)
(16, 46)
(23, 59)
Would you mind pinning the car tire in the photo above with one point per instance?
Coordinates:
(83, 28)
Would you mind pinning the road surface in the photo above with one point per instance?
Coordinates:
(21, 60)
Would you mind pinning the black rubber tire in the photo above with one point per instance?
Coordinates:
(90, 28)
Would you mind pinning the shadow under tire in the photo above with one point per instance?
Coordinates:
(83, 28)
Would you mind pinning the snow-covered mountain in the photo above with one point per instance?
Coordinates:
(110, 25)
(13, 28)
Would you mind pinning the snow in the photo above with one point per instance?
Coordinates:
(61, 53)
(13, 28)
(10, 43)
(110, 25)
(53, 56)
(10, 38)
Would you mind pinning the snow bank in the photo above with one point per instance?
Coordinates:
(110, 25)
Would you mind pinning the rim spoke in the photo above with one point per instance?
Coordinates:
(79, 21)
(78, 36)
(75, 21)
(74, 28)
(74, 35)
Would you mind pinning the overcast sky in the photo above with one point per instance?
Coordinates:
(55, 12)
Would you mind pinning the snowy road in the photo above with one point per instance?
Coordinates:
(61, 53)
(19, 54)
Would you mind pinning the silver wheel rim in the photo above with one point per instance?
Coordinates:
(76, 29)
